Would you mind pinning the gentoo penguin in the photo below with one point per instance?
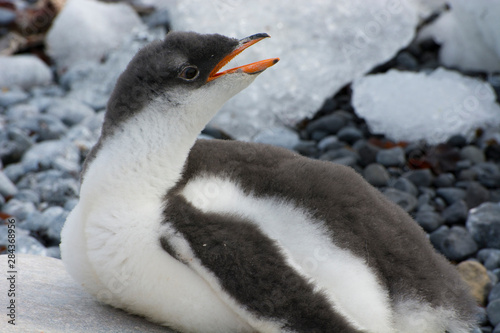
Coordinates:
(227, 236)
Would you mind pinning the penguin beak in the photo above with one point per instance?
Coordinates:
(253, 68)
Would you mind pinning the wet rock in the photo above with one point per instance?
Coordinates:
(367, 152)
(330, 142)
(429, 220)
(455, 243)
(476, 194)
(403, 199)
(476, 276)
(483, 223)
(329, 124)
(376, 175)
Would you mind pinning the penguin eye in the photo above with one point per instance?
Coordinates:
(189, 73)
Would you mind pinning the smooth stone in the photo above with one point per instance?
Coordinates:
(25, 244)
(391, 157)
(444, 180)
(493, 310)
(457, 140)
(376, 174)
(468, 174)
(53, 219)
(18, 209)
(21, 112)
(11, 97)
(350, 161)
(403, 199)
(15, 145)
(71, 308)
(476, 276)
(330, 124)
(403, 184)
(451, 194)
(421, 177)
(349, 135)
(52, 154)
(307, 148)
(476, 194)
(333, 155)
(429, 220)
(454, 243)
(278, 136)
(14, 171)
(7, 187)
(24, 71)
(69, 111)
(59, 191)
(49, 127)
(490, 258)
(330, 142)
(494, 293)
(473, 154)
(488, 174)
(483, 223)
(456, 213)
(367, 152)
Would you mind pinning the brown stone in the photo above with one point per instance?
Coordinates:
(476, 276)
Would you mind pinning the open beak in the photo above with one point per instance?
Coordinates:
(253, 68)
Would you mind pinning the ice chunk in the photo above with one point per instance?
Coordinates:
(469, 34)
(408, 106)
(322, 45)
(87, 30)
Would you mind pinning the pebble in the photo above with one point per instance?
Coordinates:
(14, 171)
(483, 223)
(403, 199)
(421, 177)
(19, 209)
(47, 154)
(451, 194)
(444, 180)
(11, 97)
(376, 174)
(342, 153)
(476, 194)
(28, 195)
(367, 152)
(24, 71)
(488, 174)
(490, 258)
(457, 140)
(454, 243)
(327, 125)
(473, 154)
(69, 111)
(21, 112)
(7, 187)
(330, 142)
(476, 276)
(429, 220)
(456, 213)
(349, 134)
(494, 293)
(493, 310)
(280, 137)
(391, 157)
(57, 192)
(403, 184)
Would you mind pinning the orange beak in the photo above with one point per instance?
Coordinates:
(252, 68)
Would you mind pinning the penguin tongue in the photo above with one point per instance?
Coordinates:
(252, 68)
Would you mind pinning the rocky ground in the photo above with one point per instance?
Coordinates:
(451, 189)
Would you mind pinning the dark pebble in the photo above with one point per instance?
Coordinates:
(490, 258)
(393, 157)
(306, 148)
(492, 152)
(444, 180)
(403, 199)
(473, 154)
(330, 142)
(488, 174)
(376, 174)
(457, 141)
(350, 134)
(429, 220)
(493, 310)
(451, 194)
(407, 61)
(483, 223)
(454, 243)
(456, 213)
(494, 293)
(367, 152)
(329, 124)
(476, 194)
(421, 177)
(467, 174)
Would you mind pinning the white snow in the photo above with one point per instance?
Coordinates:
(323, 45)
(86, 30)
(469, 34)
(409, 106)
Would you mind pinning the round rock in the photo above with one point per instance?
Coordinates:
(391, 157)
(451, 194)
(493, 310)
(473, 154)
(429, 220)
(476, 194)
(476, 276)
(376, 174)
(349, 134)
(24, 71)
(456, 213)
(403, 199)
(455, 243)
(483, 223)
(405, 185)
(52, 154)
(488, 174)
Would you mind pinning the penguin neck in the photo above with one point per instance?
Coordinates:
(145, 155)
